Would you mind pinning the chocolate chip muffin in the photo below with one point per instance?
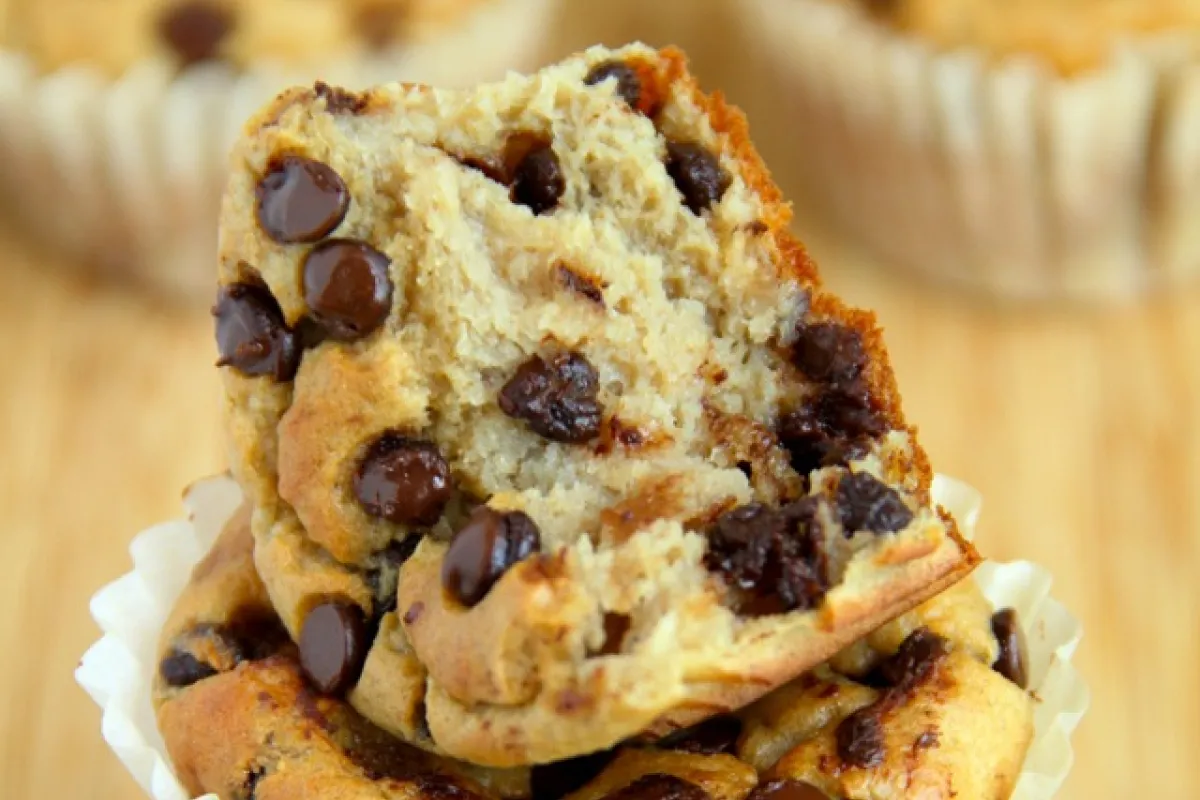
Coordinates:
(237, 32)
(539, 402)
(913, 709)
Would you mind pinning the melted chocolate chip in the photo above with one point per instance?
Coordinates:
(195, 29)
(561, 778)
(697, 175)
(581, 284)
(252, 336)
(556, 397)
(775, 559)
(659, 786)
(300, 200)
(860, 738)
(403, 481)
(867, 504)
(712, 737)
(339, 100)
(832, 429)
(629, 85)
(829, 353)
(333, 646)
(347, 288)
(787, 789)
(538, 180)
(181, 669)
(914, 661)
(1013, 662)
(484, 549)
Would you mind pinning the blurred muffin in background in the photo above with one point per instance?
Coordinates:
(1033, 148)
(116, 115)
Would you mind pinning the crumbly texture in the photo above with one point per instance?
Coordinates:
(1072, 36)
(253, 728)
(571, 297)
(58, 33)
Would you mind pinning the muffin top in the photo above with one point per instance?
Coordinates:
(1073, 35)
(58, 33)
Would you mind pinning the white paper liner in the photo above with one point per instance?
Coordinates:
(1000, 175)
(126, 175)
(118, 670)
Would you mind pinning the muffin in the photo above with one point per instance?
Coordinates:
(932, 704)
(1034, 150)
(533, 376)
(114, 148)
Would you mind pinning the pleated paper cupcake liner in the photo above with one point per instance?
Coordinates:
(125, 176)
(118, 670)
(998, 174)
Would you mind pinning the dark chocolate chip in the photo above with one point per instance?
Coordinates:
(538, 180)
(787, 789)
(629, 85)
(333, 646)
(195, 29)
(860, 738)
(379, 23)
(659, 786)
(556, 396)
(1013, 662)
(252, 336)
(775, 559)
(915, 659)
(697, 175)
(832, 429)
(300, 200)
(829, 353)
(561, 778)
(403, 480)
(581, 284)
(347, 288)
(339, 100)
(180, 669)
(484, 549)
(867, 504)
(712, 737)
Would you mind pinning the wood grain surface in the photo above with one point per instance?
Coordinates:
(1080, 427)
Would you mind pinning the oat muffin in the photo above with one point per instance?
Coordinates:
(1037, 150)
(114, 147)
(913, 709)
(531, 381)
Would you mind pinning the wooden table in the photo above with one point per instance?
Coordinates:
(1081, 429)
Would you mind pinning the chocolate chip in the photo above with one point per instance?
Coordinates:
(181, 669)
(915, 659)
(561, 778)
(774, 559)
(252, 336)
(556, 397)
(832, 429)
(697, 175)
(484, 549)
(787, 789)
(829, 352)
(659, 786)
(867, 504)
(860, 738)
(712, 737)
(300, 200)
(339, 100)
(195, 29)
(333, 646)
(629, 85)
(403, 480)
(538, 180)
(1013, 662)
(586, 286)
(347, 288)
